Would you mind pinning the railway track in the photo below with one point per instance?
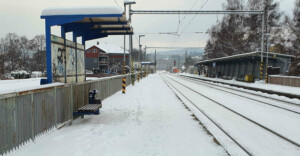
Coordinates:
(246, 95)
(292, 96)
(170, 81)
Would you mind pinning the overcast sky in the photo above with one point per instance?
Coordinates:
(23, 17)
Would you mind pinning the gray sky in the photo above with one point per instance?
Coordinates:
(23, 18)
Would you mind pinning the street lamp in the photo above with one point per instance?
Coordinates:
(126, 2)
(140, 47)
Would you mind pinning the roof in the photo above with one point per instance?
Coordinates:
(112, 49)
(91, 22)
(244, 56)
(93, 10)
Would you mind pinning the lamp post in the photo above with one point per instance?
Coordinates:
(140, 64)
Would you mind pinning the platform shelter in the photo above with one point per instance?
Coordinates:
(65, 59)
(242, 65)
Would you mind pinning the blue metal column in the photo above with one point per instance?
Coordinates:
(48, 51)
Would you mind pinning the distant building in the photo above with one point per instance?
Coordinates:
(165, 64)
(96, 59)
(104, 57)
(115, 53)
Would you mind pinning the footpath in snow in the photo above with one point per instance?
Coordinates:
(148, 120)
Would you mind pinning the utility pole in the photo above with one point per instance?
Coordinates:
(124, 69)
(130, 38)
(140, 63)
(267, 59)
(155, 61)
(262, 40)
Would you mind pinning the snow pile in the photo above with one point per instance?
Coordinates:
(12, 86)
(20, 74)
(93, 10)
(36, 74)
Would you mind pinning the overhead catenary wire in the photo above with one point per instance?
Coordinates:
(194, 16)
(117, 4)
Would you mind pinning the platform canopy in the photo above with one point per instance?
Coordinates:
(251, 56)
(86, 22)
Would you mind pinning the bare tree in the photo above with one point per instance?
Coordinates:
(37, 44)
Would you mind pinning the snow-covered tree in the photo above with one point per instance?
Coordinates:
(295, 29)
(241, 33)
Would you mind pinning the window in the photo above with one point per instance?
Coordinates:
(94, 50)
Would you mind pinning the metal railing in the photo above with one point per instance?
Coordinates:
(31, 113)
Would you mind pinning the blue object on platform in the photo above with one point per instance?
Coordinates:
(43, 81)
(92, 96)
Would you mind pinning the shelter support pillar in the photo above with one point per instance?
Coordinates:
(245, 71)
(227, 70)
(238, 74)
(48, 52)
(253, 70)
(233, 70)
(261, 69)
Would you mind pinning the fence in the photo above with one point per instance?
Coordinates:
(285, 80)
(25, 115)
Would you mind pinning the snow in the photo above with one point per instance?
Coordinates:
(19, 72)
(12, 86)
(36, 74)
(148, 120)
(92, 78)
(252, 137)
(93, 10)
(112, 49)
(257, 84)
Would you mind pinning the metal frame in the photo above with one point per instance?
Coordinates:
(189, 12)
(68, 24)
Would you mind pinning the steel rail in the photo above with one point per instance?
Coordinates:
(255, 89)
(236, 142)
(260, 125)
(243, 88)
(211, 86)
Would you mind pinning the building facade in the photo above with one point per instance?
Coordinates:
(105, 58)
(96, 59)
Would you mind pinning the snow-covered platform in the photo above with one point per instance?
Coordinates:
(148, 120)
(20, 85)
